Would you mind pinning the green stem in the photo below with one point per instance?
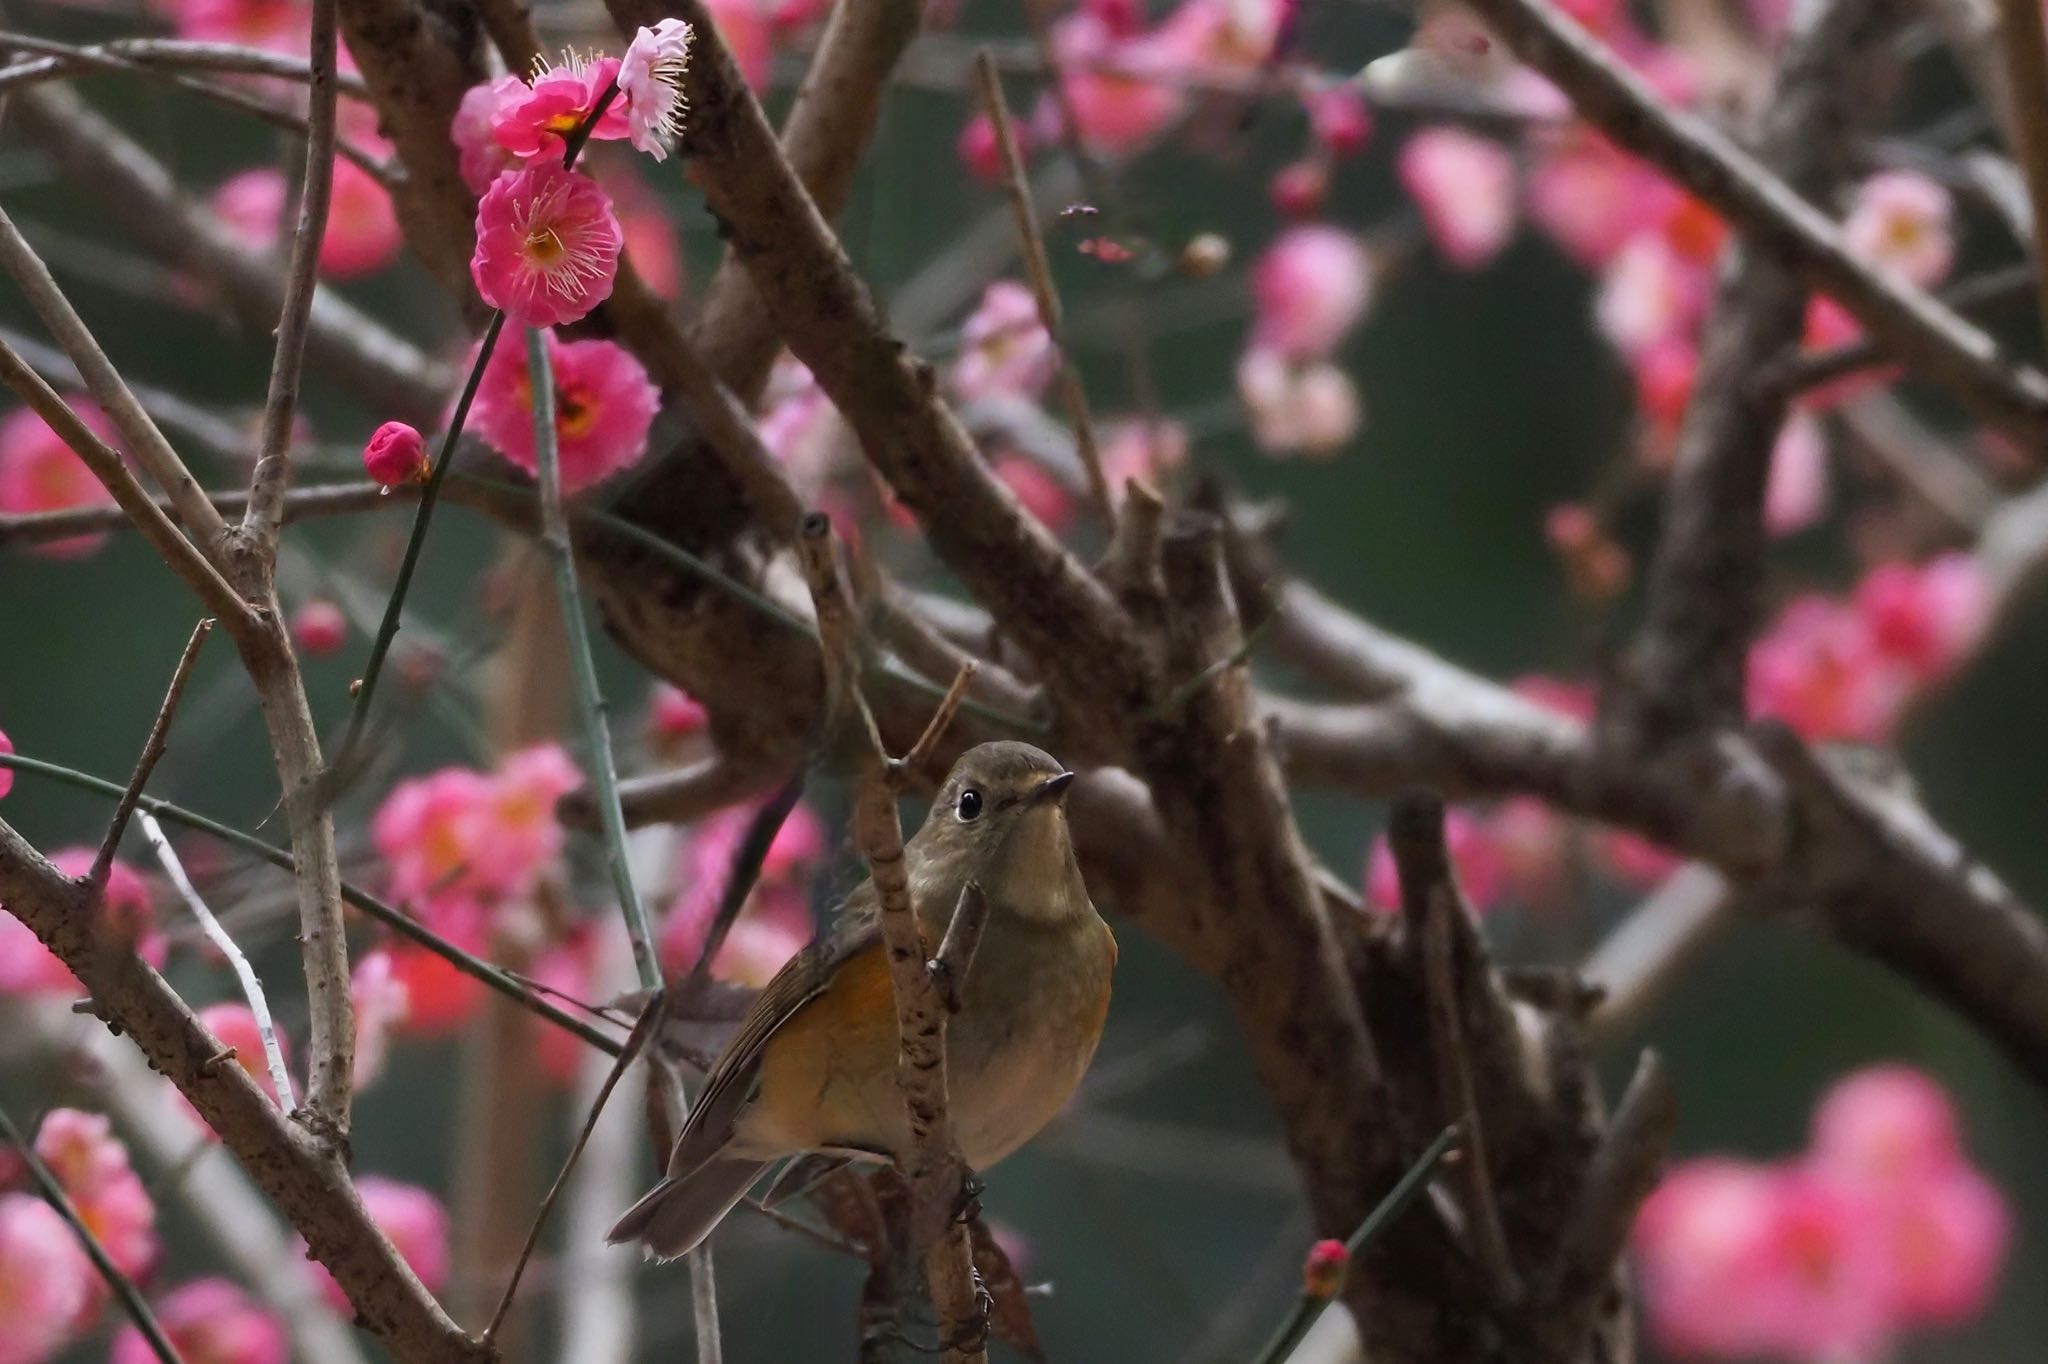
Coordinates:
(124, 1287)
(1307, 1308)
(604, 772)
(387, 629)
(391, 917)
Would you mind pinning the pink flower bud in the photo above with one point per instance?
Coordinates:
(6, 773)
(1322, 1271)
(319, 627)
(397, 453)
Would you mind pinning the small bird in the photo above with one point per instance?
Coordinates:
(812, 1067)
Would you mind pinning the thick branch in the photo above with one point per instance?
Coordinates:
(307, 1181)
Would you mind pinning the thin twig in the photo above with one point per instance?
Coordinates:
(152, 750)
(747, 861)
(643, 1028)
(397, 920)
(955, 959)
(2025, 40)
(176, 53)
(933, 1165)
(942, 719)
(1404, 1192)
(1017, 183)
(252, 988)
(597, 736)
(124, 1288)
(260, 524)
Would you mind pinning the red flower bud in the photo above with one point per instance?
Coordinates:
(396, 453)
(1322, 1272)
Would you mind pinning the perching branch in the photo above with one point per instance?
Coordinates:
(933, 1166)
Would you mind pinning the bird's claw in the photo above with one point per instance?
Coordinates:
(972, 1335)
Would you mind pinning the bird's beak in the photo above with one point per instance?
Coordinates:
(1053, 788)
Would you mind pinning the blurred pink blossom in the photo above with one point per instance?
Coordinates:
(1146, 450)
(604, 407)
(1650, 291)
(1818, 669)
(673, 714)
(1592, 198)
(1464, 186)
(1299, 188)
(90, 1162)
(440, 997)
(1044, 496)
(1926, 617)
(1309, 289)
(980, 150)
(362, 234)
(1339, 118)
(46, 1281)
(749, 34)
(1309, 408)
(236, 1027)
(547, 245)
(209, 1321)
(778, 909)
(1004, 347)
(1882, 1227)
(1107, 80)
(6, 773)
(1901, 221)
(648, 231)
(1797, 491)
(456, 834)
(381, 1001)
(39, 472)
(284, 26)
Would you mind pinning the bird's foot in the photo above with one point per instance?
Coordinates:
(967, 1206)
(971, 1336)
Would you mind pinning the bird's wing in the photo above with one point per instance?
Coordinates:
(731, 1084)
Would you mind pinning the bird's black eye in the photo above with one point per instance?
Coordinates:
(970, 805)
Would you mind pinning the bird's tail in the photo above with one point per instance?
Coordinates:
(678, 1213)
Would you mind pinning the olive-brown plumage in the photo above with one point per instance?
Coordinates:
(812, 1066)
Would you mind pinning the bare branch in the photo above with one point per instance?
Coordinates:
(950, 968)
(273, 445)
(302, 1174)
(2025, 40)
(152, 750)
(1018, 186)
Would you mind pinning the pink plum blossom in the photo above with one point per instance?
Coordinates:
(538, 120)
(1299, 188)
(563, 968)
(1044, 496)
(1309, 408)
(319, 627)
(415, 1223)
(604, 407)
(650, 85)
(39, 472)
(456, 835)
(396, 453)
(777, 915)
(6, 773)
(81, 1150)
(547, 245)
(1309, 289)
(46, 1282)
(980, 149)
(381, 1001)
(29, 968)
(362, 235)
(1145, 450)
(236, 1027)
(649, 234)
(1004, 347)
(1649, 292)
(1464, 186)
(209, 1321)
(440, 997)
(1888, 1122)
(479, 156)
(1900, 222)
